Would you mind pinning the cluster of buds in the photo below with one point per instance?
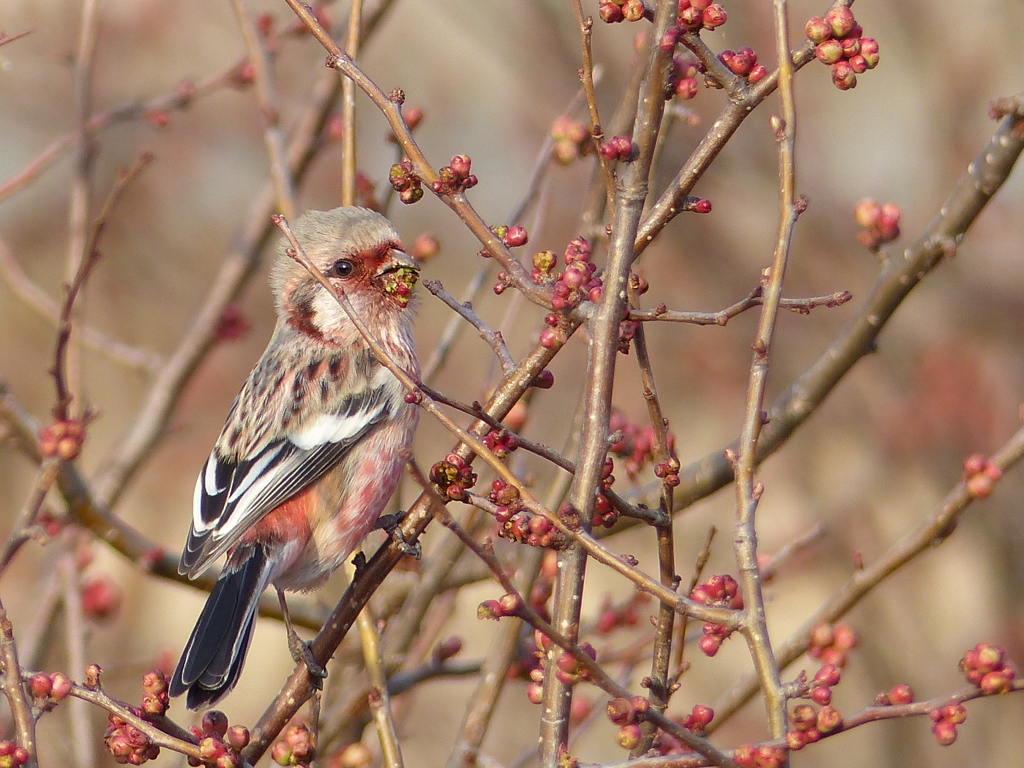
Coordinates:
(455, 177)
(568, 669)
(62, 438)
(628, 714)
(842, 46)
(573, 284)
(822, 683)
(618, 148)
(764, 756)
(636, 446)
(682, 81)
(743, 63)
(980, 475)
(516, 524)
(48, 690)
(880, 223)
(985, 666)
(831, 644)
(668, 472)
(615, 11)
(155, 700)
(945, 720)
(627, 332)
(295, 747)
(605, 514)
(694, 15)
(571, 140)
(220, 746)
(513, 237)
(11, 755)
(127, 744)
(808, 724)
(895, 696)
(625, 615)
(722, 591)
(697, 722)
(501, 442)
(453, 476)
(406, 183)
(509, 604)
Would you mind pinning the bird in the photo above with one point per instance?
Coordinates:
(312, 448)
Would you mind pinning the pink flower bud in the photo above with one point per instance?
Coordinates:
(818, 30)
(841, 20)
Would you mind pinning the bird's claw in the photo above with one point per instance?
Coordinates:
(390, 525)
(302, 651)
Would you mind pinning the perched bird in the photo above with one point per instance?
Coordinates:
(312, 448)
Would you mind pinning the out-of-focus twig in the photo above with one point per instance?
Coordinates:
(266, 93)
(81, 274)
(36, 299)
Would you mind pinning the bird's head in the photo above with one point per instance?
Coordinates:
(357, 250)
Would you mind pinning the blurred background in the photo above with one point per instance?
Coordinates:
(492, 76)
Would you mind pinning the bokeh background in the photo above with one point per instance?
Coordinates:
(492, 75)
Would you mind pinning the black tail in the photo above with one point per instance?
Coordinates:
(212, 660)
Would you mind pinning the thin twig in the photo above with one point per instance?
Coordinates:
(754, 299)
(348, 111)
(84, 268)
(37, 300)
(266, 94)
(46, 475)
(465, 311)
(14, 690)
(595, 673)
(380, 701)
(755, 625)
(586, 27)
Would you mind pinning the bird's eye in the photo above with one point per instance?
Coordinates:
(342, 268)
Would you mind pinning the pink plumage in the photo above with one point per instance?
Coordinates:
(312, 447)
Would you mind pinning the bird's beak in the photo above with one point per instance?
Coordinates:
(397, 261)
(398, 276)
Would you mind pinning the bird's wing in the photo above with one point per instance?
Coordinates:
(232, 495)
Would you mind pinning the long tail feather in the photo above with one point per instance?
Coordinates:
(212, 660)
